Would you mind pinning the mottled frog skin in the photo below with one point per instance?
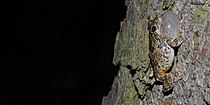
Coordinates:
(165, 34)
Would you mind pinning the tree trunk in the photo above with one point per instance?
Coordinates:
(133, 85)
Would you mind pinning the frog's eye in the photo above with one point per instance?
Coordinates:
(153, 28)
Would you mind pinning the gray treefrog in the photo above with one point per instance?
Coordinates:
(165, 34)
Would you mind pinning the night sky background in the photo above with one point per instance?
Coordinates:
(58, 51)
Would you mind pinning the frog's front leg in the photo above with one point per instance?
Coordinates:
(178, 40)
(175, 42)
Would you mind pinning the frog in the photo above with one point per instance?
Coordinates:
(165, 34)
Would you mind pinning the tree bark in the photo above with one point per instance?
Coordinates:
(133, 84)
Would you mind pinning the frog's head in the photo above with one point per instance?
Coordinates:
(154, 26)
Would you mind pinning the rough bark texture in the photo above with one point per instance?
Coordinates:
(132, 85)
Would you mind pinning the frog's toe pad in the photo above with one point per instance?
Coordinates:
(178, 75)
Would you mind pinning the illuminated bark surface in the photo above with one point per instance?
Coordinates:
(132, 85)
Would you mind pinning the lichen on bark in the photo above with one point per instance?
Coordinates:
(133, 85)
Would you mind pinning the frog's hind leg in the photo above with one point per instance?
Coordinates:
(176, 71)
(168, 82)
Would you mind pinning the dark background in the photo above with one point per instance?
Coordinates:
(58, 48)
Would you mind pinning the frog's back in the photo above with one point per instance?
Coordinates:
(161, 54)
